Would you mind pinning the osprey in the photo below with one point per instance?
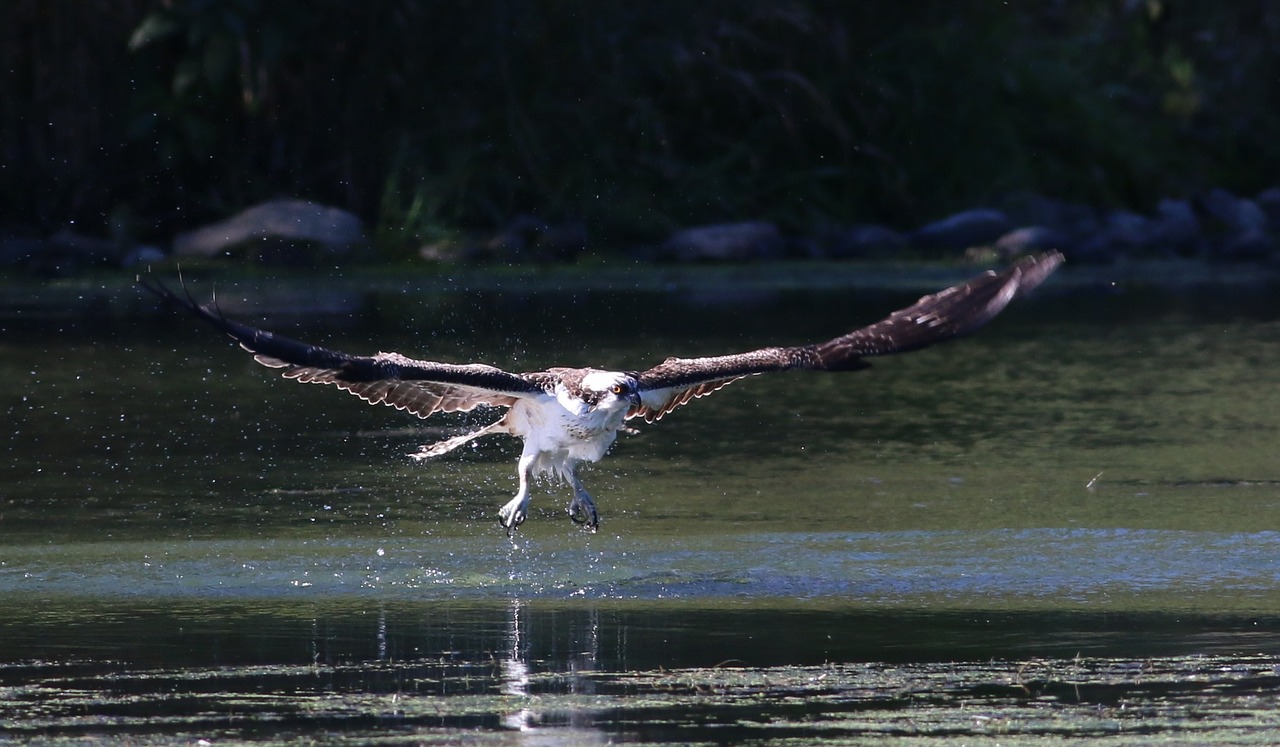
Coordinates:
(568, 416)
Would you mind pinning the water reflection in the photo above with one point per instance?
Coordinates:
(571, 673)
(566, 656)
(515, 674)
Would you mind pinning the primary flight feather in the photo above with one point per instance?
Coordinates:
(567, 416)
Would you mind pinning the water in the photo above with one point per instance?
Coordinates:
(1066, 525)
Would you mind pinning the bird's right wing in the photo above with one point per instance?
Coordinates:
(956, 311)
(420, 387)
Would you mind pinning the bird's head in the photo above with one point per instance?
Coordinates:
(613, 389)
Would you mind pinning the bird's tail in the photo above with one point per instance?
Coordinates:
(427, 451)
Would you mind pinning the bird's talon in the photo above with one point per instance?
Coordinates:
(511, 521)
(584, 515)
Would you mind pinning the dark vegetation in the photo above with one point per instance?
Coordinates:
(141, 118)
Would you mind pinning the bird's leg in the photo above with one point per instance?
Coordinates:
(513, 514)
(582, 510)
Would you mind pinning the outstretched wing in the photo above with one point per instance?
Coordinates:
(955, 311)
(421, 387)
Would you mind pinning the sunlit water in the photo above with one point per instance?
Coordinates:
(1095, 474)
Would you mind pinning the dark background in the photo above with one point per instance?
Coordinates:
(140, 118)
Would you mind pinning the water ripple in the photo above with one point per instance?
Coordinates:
(1080, 565)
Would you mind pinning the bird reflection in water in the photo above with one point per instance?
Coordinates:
(521, 681)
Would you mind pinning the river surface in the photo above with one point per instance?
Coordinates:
(1067, 525)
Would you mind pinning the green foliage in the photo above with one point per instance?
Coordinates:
(428, 118)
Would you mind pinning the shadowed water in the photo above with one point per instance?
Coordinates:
(1075, 510)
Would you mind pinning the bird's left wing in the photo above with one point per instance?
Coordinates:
(420, 387)
(941, 316)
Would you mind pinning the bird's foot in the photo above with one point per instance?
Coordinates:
(513, 514)
(582, 511)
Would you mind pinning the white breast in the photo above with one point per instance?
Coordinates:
(562, 430)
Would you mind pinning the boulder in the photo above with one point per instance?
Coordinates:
(803, 247)
(1269, 201)
(724, 242)
(530, 239)
(525, 239)
(142, 255)
(1237, 215)
(978, 227)
(1245, 246)
(560, 242)
(1120, 234)
(332, 230)
(863, 242)
(1242, 227)
(1177, 229)
(1074, 222)
(1130, 231)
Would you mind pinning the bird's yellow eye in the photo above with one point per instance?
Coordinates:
(616, 389)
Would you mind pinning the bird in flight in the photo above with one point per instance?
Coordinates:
(567, 416)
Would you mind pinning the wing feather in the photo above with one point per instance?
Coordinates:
(419, 387)
(935, 318)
